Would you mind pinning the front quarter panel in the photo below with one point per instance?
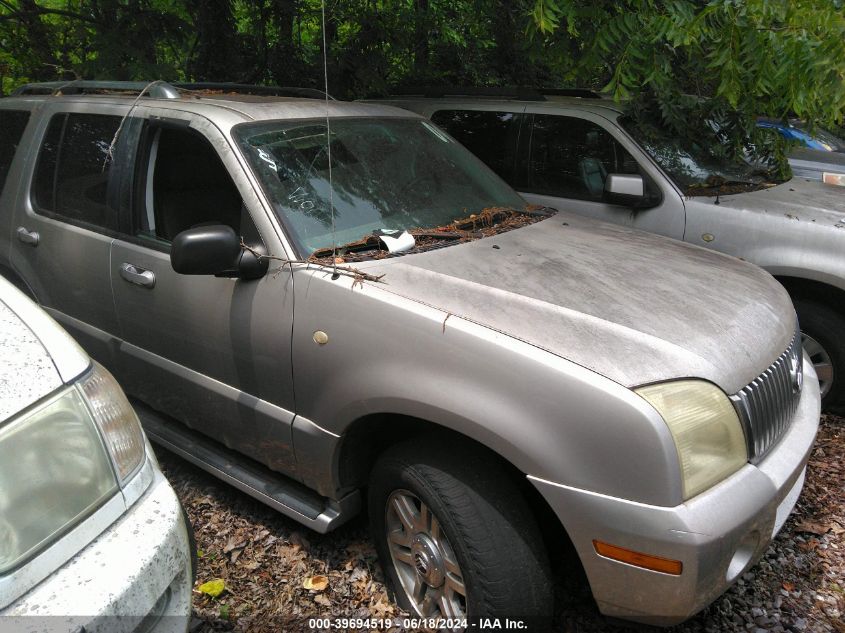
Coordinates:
(550, 418)
(792, 243)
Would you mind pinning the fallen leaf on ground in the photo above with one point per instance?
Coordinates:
(233, 543)
(213, 588)
(317, 583)
(322, 599)
(812, 527)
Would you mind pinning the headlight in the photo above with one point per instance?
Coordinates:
(706, 429)
(117, 421)
(60, 461)
(54, 471)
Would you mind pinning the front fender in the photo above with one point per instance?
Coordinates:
(792, 244)
(548, 417)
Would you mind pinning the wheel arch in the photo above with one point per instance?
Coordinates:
(370, 436)
(811, 289)
(16, 280)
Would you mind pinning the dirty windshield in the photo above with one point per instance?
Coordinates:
(695, 169)
(387, 175)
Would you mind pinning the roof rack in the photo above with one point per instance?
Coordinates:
(161, 89)
(519, 93)
(155, 89)
(251, 89)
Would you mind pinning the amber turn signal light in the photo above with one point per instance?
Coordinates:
(638, 559)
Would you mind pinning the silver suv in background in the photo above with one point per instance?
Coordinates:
(576, 151)
(335, 306)
(92, 537)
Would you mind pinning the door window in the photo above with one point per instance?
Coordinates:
(185, 184)
(571, 157)
(491, 136)
(74, 168)
(12, 124)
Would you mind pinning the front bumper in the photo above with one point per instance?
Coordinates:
(717, 535)
(135, 577)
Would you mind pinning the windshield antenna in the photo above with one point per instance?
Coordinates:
(329, 140)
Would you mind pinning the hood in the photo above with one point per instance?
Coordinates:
(631, 306)
(812, 163)
(27, 373)
(799, 198)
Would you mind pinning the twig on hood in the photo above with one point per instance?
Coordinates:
(349, 271)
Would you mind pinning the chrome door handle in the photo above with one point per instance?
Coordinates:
(137, 276)
(28, 237)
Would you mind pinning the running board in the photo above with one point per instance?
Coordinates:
(277, 491)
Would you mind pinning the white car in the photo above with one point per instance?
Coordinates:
(90, 530)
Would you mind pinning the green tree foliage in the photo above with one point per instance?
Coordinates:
(372, 44)
(685, 64)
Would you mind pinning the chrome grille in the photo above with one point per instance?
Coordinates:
(766, 405)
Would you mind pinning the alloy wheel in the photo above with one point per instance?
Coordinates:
(821, 362)
(423, 558)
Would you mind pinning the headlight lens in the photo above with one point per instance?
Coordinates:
(54, 470)
(61, 461)
(117, 421)
(706, 429)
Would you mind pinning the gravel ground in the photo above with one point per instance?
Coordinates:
(277, 574)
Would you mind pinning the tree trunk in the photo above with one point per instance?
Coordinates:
(283, 62)
(421, 48)
(39, 43)
(216, 57)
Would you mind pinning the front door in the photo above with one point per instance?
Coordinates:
(566, 159)
(212, 352)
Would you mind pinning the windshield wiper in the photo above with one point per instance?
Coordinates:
(369, 242)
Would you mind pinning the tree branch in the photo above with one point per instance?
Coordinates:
(348, 271)
(44, 11)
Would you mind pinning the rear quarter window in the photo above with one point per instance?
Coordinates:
(12, 125)
(73, 170)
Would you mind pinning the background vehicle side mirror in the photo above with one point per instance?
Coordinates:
(624, 189)
(214, 250)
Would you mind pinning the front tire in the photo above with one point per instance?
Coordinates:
(454, 535)
(823, 338)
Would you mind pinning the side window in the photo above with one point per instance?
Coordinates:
(12, 125)
(571, 157)
(185, 184)
(72, 176)
(489, 135)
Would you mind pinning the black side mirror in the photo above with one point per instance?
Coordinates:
(214, 250)
(624, 189)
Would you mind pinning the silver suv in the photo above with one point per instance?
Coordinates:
(335, 305)
(580, 153)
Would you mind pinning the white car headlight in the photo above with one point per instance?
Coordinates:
(61, 460)
(117, 421)
(54, 471)
(706, 429)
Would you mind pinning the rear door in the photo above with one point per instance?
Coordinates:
(13, 123)
(66, 218)
(212, 352)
